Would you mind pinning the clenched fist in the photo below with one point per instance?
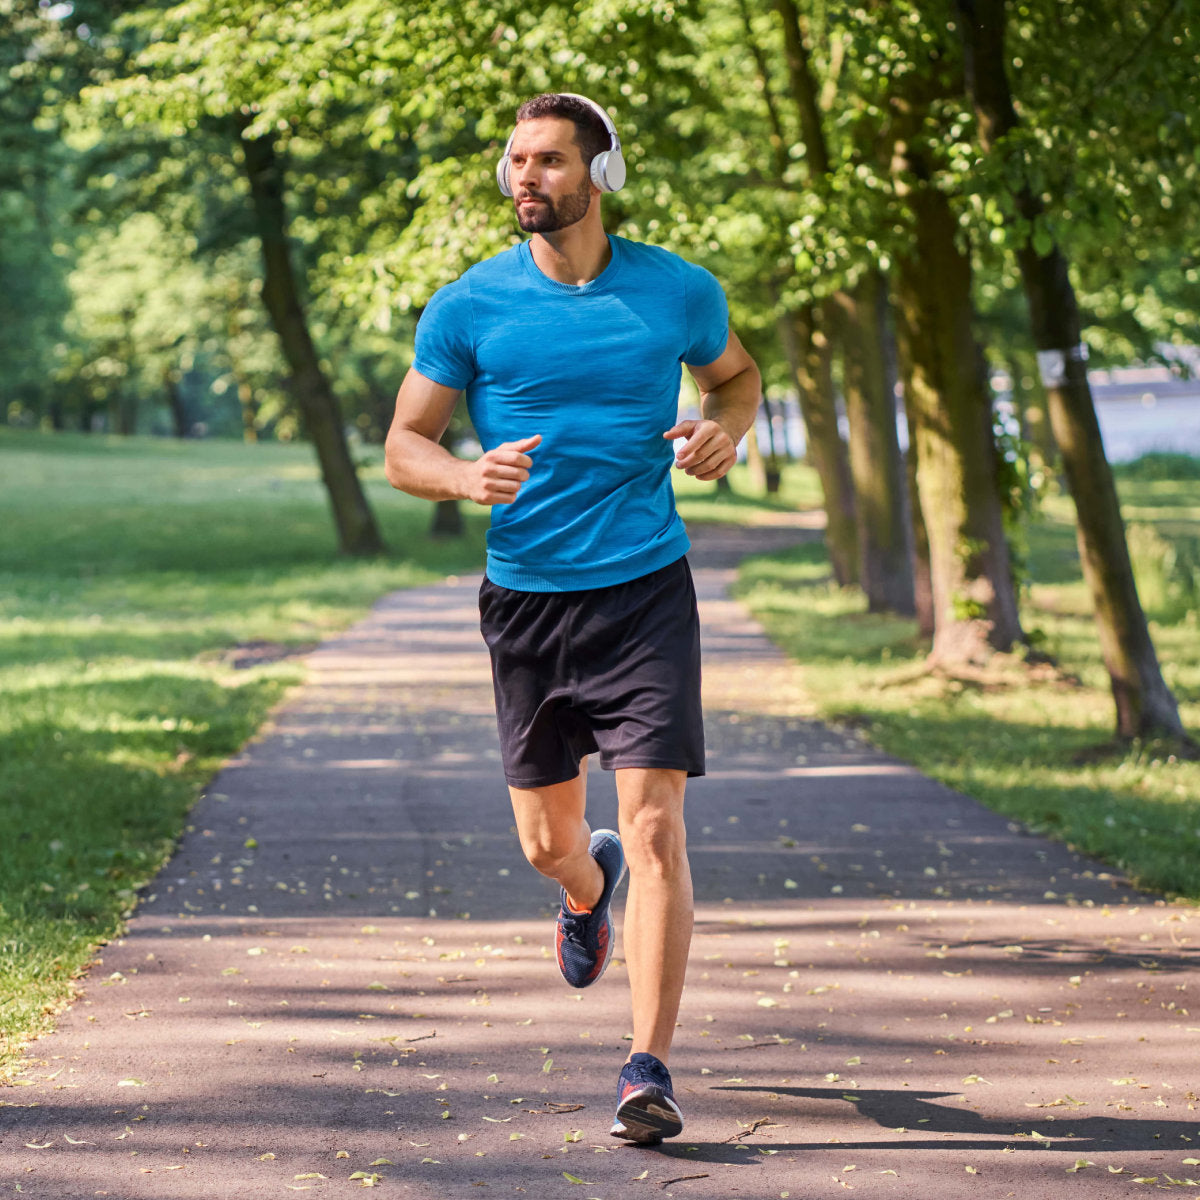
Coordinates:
(497, 476)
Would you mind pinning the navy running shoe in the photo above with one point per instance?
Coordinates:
(584, 941)
(646, 1108)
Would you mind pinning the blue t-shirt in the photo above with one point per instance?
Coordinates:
(595, 369)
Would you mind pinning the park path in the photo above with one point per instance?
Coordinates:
(344, 977)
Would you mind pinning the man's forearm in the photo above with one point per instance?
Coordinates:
(734, 404)
(424, 468)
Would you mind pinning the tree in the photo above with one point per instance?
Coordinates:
(189, 68)
(947, 397)
(853, 314)
(1144, 704)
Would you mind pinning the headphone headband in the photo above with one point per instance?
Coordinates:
(607, 169)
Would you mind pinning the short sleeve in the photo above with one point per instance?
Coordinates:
(707, 317)
(444, 342)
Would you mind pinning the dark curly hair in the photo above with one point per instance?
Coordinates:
(591, 136)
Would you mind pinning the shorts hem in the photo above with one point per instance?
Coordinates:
(541, 782)
(617, 762)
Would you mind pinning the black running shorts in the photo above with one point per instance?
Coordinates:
(614, 670)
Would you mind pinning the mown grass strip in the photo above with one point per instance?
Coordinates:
(1032, 744)
(130, 570)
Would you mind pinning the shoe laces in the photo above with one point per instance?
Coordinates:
(573, 925)
(645, 1068)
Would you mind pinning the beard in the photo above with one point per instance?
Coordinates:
(551, 215)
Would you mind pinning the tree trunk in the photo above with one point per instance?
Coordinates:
(357, 531)
(447, 515)
(756, 468)
(123, 412)
(975, 604)
(248, 407)
(809, 355)
(884, 549)
(922, 574)
(1145, 706)
(177, 405)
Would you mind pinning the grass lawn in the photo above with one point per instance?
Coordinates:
(129, 569)
(1025, 744)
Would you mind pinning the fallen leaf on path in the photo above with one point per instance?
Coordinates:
(41, 1146)
(81, 1142)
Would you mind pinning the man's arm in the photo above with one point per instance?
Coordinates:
(730, 391)
(414, 462)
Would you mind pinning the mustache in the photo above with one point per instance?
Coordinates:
(532, 196)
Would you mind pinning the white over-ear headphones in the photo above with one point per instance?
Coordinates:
(607, 168)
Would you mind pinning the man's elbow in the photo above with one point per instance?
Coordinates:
(393, 463)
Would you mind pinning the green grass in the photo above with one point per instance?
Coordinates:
(743, 503)
(128, 571)
(1024, 743)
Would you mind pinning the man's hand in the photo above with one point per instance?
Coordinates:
(496, 477)
(709, 451)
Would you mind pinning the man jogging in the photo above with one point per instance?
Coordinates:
(569, 348)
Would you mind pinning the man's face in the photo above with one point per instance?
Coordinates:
(550, 183)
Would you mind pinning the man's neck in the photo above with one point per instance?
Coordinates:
(575, 255)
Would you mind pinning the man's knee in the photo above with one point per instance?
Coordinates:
(545, 856)
(655, 841)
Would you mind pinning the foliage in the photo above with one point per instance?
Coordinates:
(389, 120)
(1160, 465)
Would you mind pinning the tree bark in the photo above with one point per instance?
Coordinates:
(809, 356)
(357, 531)
(248, 407)
(884, 551)
(975, 604)
(1145, 706)
(176, 403)
(922, 573)
(884, 548)
(756, 467)
(447, 514)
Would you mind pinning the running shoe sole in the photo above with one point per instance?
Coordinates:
(647, 1115)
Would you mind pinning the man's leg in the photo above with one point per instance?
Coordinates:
(657, 931)
(554, 836)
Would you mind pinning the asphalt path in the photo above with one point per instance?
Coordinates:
(344, 977)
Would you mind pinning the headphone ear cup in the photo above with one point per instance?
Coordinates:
(502, 176)
(614, 169)
(608, 170)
